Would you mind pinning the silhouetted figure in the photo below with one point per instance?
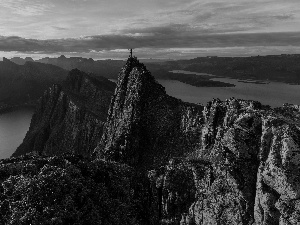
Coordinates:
(130, 53)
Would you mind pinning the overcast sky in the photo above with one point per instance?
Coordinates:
(155, 28)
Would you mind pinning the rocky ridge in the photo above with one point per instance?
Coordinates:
(145, 126)
(233, 162)
(69, 118)
(246, 171)
(241, 156)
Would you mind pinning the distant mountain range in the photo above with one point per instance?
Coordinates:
(24, 84)
(105, 68)
(22, 81)
(282, 68)
(110, 69)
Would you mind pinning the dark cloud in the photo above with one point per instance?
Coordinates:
(284, 17)
(175, 36)
(59, 28)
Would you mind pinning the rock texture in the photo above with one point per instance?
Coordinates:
(246, 171)
(145, 126)
(233, 162)
(70, 190)
(69, 118)
(226, 165)
(278, 177)
(174, 190)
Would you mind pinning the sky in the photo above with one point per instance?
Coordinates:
(162, 29)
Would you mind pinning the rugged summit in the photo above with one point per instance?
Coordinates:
(69, 118)
(145, 126)
(234, 162)
(246, 171)
(231, 162)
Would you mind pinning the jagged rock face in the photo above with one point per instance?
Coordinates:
(235, 162)
(278, 182)
(174, 188)
(244, 161)
(69, 118)
(225, 167)
(145, 125)
(247, 169)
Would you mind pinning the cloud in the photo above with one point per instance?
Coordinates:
(59, 28)
(27, 7)
(169, 37)
(110, 25)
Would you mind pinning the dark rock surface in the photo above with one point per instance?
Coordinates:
(233, 162)
(145, 126)
(71, 190)
(69, 118)
(24, 84)
(226, 166)
(241, 155)
(246, 171)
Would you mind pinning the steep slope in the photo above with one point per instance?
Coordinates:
(235, 162)
(24, 84)
(246, 172)
(145, 126)
(69, 118)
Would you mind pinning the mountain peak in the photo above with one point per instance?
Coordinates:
(6, 60)
(62, 57)
(9, 63)
(137, 72)
(134, 61)
(29, 59)
(147, 118)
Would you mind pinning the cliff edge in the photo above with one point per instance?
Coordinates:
(145, 126)
(69, 118)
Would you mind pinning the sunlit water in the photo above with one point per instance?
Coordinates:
(13, 127)
(270, 93)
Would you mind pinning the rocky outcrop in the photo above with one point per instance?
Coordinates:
(174, 190)
(226, 165)
(246, 171)
(145, 126)
(233, 162)
(278, 177)
(71, 190)
(69, 118)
